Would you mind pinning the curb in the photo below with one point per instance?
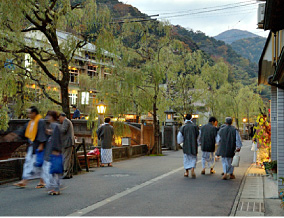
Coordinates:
(238, 196)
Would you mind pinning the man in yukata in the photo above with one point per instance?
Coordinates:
(68, 142)
(105, 132)
(207, 140)
(35, 132)
(229, 141)
(187, 135)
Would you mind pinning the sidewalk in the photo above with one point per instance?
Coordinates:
(258, 195)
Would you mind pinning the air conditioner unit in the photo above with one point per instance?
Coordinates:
(260, 15)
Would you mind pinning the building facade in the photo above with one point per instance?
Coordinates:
(271, 72)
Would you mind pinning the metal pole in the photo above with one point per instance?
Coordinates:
(100, 121)
(85, 155)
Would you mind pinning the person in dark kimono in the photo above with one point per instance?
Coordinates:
(230, 142)
(207, 140)
(53, 146)
(34, 132)
(187, 135)
(105, 133)
(68, 142)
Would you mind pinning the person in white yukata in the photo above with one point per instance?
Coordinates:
(187, 135)
(34, 132)
(105, 133)
(229, 140)
(207, 140)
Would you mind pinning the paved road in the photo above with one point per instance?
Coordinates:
(145, 186)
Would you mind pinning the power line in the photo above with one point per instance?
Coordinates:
(198, 9)
(202, 12)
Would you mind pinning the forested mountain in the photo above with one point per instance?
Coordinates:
(250, 48)
(233, 35)
(241, 68)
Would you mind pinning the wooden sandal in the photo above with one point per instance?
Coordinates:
(40, 186)
(185, 174)
(20, 185)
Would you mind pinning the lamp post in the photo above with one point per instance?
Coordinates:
(244, 126)
(101, 109)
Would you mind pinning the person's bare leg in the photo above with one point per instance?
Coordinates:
(193, 175)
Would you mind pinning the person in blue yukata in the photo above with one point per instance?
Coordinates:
(229, 140)
(76, 114)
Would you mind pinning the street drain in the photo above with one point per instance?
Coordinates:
(251, 206)
(255, 174)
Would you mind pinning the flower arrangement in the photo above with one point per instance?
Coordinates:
(263, 137)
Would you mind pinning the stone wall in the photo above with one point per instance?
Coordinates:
(11, 169)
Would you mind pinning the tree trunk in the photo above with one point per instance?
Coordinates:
(65, 98)
(156, 149)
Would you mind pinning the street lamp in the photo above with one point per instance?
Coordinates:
(244, 120)
(101, 109)
(169, 116)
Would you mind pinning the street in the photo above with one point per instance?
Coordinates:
(145, 186)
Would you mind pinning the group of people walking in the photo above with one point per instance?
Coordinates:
(225, 141)
(56, 140)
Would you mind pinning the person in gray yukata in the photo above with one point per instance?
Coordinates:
(187, 135)
(105, 132)
(207, 140)
(68, 142)
(53, 146)
(229, 140)
(34, 132)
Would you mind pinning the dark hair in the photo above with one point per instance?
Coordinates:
(53, 114)
(34, 110)
(62, 114)
(212, 119)
(107, 120)
(188, 117)
(74, 106)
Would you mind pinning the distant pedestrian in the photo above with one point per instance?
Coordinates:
(68, 142)
(34, 132)
(207, 140)
(230, 142)
(252, 131)
(105, 133)
(188, 134)
(53, 147)
(76, 114)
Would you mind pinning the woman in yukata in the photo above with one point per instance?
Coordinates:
(53, 146)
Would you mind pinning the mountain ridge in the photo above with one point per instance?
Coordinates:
(230, 36)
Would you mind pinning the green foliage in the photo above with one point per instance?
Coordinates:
(250, 48)
(4, 119)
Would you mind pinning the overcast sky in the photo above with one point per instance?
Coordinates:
(209, 16)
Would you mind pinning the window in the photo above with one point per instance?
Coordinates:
(85, 98)
(92, 71)
(73, 98)
(74, 75)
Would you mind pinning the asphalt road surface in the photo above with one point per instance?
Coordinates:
(145, 186)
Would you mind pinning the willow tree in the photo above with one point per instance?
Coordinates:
(144, 53)
(182, 81)
(211, 79)
(28, 31)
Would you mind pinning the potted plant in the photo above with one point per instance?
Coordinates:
(273, 167)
